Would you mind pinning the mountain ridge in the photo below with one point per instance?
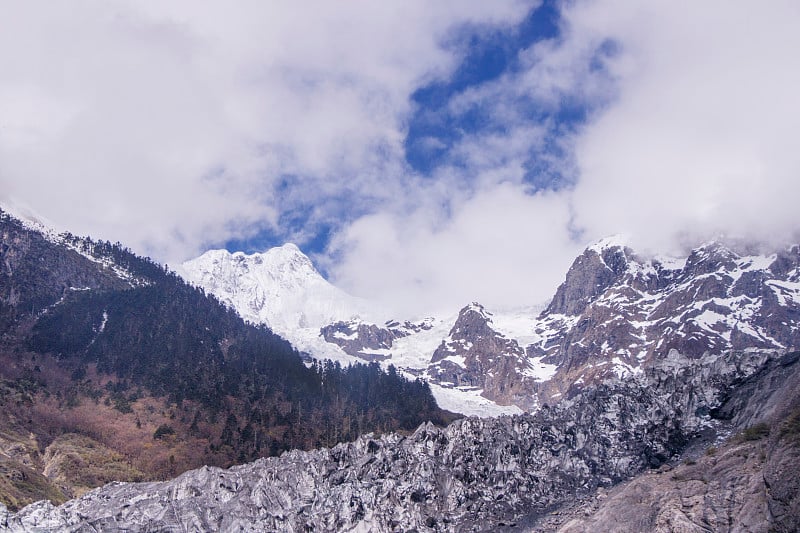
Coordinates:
(614, 312)
(124, 356)
(650, 365)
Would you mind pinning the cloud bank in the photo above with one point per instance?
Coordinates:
(688, 136)
(698, 141)
(174, 128)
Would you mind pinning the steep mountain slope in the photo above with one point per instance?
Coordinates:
(279, 288)
(476, 474)
(35, 274)
(614, 315)
(748, 483)
(282, 289)
(635, 366)
(103, 345)
(475, 355)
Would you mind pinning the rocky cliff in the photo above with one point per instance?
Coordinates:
(476, 356)
(370, 341)
(749, 483)
(35, 274)
(616, 313)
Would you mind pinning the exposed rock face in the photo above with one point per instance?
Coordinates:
(721, 493)
(369, 341)
(76, 464)
(21, 478)
(617, 313)
(748, 484)
(476, 356)
(34, 274)
(474, 475)
(591, 274)
(365, 341)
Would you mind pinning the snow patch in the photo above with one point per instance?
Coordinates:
(540, 371)
(787, 292)
(470, 402)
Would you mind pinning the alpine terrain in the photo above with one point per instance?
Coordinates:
(615, 313)
(114, 369)
(649, 394)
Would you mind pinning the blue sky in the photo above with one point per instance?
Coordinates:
(484, 54)
(422, 153)
(488, 54)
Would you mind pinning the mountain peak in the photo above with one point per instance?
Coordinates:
(711, 257)
(279, 287)
(475, 307)
(590, 275)
(286, 252)
(610, 242)
(285, 265)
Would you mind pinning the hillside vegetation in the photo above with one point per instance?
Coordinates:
(116, 349)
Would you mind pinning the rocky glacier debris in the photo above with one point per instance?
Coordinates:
(474, 475)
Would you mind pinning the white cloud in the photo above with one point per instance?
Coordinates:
(167, 125)
(699, 141)
(170, 125)
(501, 247)
(691, 135)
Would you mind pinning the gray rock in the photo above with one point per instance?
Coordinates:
(369, 341)
(751, 483)
(591, 274)
(474, 475)
(359, 339)
(617, 313)
(477, 356)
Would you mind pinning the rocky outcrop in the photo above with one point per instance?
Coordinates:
(591, 274)
(77, 463)
(723, 492)
(34, 274)
(750, 483)
(21, 479)
(476, 356)
(474, 475)
(616, 313)
(369, 341)
(365, 341)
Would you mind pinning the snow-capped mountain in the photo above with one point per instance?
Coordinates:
(475, 355)
(643, 363)
(615, 314)
(282, 289)
(279, 288)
